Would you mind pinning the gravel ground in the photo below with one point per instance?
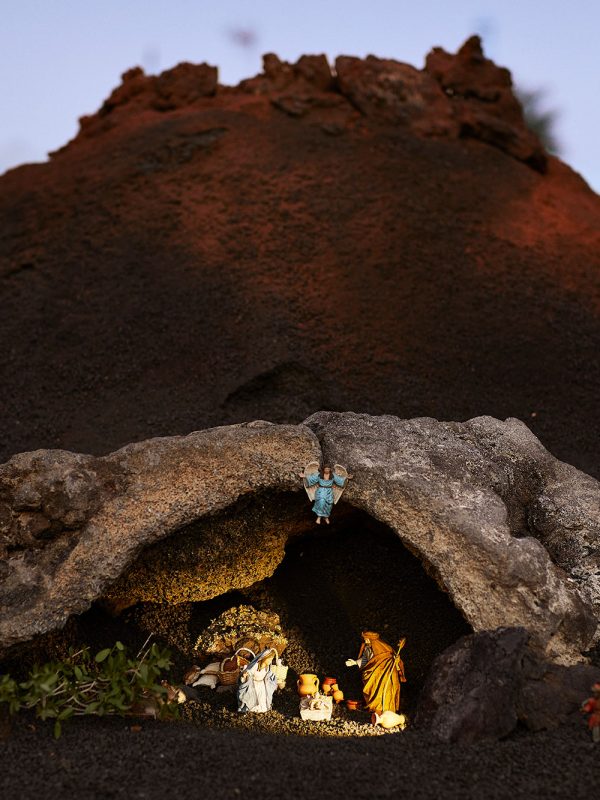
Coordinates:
(111, 758)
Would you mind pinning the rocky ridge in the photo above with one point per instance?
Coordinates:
(455, 96)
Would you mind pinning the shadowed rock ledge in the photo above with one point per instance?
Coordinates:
(511, 533)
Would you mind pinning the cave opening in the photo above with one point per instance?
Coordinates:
(328, 584)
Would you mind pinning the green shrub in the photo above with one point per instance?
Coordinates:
(109, 683)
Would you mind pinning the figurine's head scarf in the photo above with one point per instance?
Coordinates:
(369, 635)
(372, 640)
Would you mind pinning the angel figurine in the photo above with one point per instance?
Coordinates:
(324, 487)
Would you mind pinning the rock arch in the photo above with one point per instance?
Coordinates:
(473, 500)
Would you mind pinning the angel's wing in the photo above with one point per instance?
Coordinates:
(341, 472)
(310, 469)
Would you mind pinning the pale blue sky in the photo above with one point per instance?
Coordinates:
(60, 58)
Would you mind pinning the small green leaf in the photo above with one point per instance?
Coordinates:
(47, 685)
(103, 655)
(57, 729)
(120, 646)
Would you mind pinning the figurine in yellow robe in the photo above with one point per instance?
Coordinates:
(382, 672)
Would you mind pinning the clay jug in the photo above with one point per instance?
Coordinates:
(308, 684)
(389, 719)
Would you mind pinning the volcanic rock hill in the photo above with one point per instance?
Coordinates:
(377, 238)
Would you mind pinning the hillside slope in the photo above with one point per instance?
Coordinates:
(380, 238)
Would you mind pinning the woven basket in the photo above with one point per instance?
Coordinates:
(229, 671)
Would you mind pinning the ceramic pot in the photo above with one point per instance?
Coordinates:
(353, 705)
(338, 696)
(308, 684)
(389, 719)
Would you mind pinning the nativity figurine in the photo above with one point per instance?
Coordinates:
(316, 708)
(382, 672)
(592, 707)
(257, 683)
(324, 487)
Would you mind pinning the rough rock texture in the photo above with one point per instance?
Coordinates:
(242, 544)
(201, 255)
(469, 499)
(551, 693)
(164, 484)
(483, 685)
(396, 93)
(473, 687)
(462, 496)
(181, 86)
(483, 103)
(243, 626)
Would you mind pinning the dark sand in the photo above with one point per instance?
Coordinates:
(106, 759)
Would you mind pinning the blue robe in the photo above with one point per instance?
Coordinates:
(256, 687)
(324, 494)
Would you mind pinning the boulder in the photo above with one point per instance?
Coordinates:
(396, 93)
(551, 693)
(484, 684)
(310, 74)
(243, 626)
(178, 87)
(184, 84)
(472, 689)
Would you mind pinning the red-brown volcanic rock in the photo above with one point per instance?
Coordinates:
(380, 239)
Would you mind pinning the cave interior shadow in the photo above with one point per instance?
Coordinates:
(351, 576)
(332, 583)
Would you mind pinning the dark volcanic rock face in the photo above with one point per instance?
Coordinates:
(484, 684)
(381, 239)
